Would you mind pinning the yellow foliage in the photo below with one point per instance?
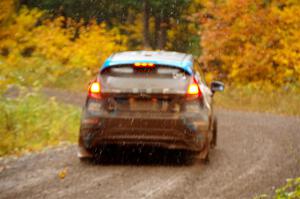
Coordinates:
(6, 10)
(251, 41)
(53, 47)
(63, 173)
(134, 31)
(95, 44)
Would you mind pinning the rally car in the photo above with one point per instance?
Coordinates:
(149, 98)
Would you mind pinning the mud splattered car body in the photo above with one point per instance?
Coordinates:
(149, 98)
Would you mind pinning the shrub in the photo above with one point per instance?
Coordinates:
(291, 190)
(32, 122)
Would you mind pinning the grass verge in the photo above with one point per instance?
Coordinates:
(291, 190)
(32, 122)
(246, 99)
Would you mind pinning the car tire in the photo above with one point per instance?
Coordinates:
(203, 156)
(213, 143)
(84, 155)
(206, 159)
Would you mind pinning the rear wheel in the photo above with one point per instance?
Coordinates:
(84, 155)
(206, 159)
(213, 143)
(203, 156)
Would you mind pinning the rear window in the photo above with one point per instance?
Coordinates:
(158, 70)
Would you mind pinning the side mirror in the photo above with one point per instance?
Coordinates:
(217, 86)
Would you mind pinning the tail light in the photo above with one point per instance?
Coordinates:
(144, 65)
(95, 90)
(193, 89)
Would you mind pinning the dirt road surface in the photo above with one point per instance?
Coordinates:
(256, 152)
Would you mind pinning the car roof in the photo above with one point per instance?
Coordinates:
(173, 59)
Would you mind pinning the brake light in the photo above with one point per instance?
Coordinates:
(144, 65)
(193, 89)
(95, 90)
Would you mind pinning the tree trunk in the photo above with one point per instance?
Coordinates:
(19, 3)
(146, 25)
(157, 32)
(163, 33)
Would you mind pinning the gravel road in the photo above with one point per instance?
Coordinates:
(256, 152)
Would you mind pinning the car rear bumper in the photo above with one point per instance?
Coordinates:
(180, 131)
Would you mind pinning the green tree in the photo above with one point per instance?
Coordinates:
(164, 14)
